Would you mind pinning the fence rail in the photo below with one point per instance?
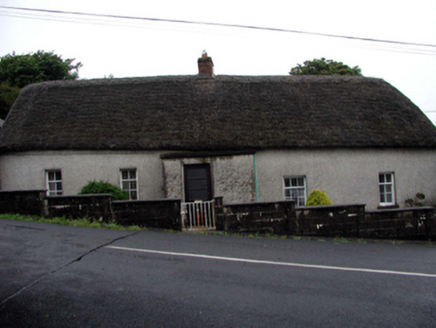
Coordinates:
(198, 215)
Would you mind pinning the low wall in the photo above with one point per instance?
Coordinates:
(408, 223)
(329, 220)
(94, 207)
(164, 214)
(273, 217)
(25, 202)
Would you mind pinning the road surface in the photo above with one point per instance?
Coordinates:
(58, 276)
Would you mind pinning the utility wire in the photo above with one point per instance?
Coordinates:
(273, 29)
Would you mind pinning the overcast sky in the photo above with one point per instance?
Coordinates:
(132, 47)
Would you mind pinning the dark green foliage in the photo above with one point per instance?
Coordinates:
(324, 67)
(17, 71)
(418, 200)
(21, 70)
(8, 95)
(317, 198)
(103, 187)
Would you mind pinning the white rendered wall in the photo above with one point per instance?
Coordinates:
(21, 171)
(349, 176)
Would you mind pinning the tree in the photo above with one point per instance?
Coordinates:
(8, 95)
(317, 198)
(21, 70)
(17, 71)
(324, 67)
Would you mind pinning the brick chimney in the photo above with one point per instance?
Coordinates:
(205, 64)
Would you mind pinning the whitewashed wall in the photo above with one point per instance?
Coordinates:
(21, 171)
(349, 176)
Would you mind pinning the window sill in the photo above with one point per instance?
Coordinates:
(387, 207)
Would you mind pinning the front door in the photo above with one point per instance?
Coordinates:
(197, 182)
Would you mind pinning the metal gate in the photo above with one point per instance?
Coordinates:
(198, 215)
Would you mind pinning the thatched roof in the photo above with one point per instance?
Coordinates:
(221, 113)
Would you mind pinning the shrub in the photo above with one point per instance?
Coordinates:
(317, 198)
(103, 187)
(418, 200)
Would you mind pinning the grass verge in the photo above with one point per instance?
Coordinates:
(85, 222)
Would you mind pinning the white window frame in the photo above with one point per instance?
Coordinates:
(129, 190)
(386, 188)
(300, 199)
(54, 182)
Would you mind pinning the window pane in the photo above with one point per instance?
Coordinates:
(58, 175)
(381, 178)
(133, 185)
(59, 185)
(124, 175)
(287, 193)
(133, 195)
(133, 174)
(389, 198)
(293, 182)
(125, 185)
(287, 182)
(51, 176)
(300, 182)
(388, 177)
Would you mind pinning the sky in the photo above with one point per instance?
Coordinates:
(137, 47)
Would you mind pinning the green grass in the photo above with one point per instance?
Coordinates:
(84, 222)
(340, 240)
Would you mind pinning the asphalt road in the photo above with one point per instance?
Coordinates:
(57, 276)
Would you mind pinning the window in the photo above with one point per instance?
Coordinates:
(53, 182)
(129, 182)
(386, 187)
(295, 189)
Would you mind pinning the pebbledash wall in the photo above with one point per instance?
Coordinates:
(348, 176)
(232, 176)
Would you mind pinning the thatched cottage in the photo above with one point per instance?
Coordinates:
(246, 138)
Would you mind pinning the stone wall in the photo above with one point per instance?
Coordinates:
(255, 217)
(232, 174)
(94, 207)
(273, 217)
(25, 202)
(410, 223)
(331, 220)
(163, 214)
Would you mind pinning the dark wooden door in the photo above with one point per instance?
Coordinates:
(197, 182)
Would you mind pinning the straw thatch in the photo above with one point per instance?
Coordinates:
(222, 113)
